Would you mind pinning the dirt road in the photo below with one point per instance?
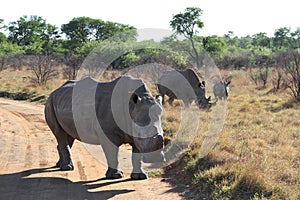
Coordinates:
(28, 150)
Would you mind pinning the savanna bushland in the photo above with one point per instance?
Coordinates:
(257, 155)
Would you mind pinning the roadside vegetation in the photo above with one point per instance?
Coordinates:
(258, 153)
(256, 157)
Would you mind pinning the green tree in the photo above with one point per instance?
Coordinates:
(81, 30)
(108, 29)
(295, 39)
(33, 33)
(261, 40)
(78, 29)
(188, 23)
(245, 42)
(7, 50)
(1, 21)
(282, 39)
(214, 45)
(231, 39)
(2, 35)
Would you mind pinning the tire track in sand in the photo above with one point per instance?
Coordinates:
(28, 151)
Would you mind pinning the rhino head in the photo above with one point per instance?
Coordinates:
(202, 100)
(146, 113)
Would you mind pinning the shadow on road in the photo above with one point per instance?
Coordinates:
(21, 186)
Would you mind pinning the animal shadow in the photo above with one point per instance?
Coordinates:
(20, 186)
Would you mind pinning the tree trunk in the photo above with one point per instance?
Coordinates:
(198, 63)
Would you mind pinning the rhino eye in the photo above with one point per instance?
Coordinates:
(134, 98)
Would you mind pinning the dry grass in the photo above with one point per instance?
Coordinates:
(20, 81)
(258, 152)
(257, 155)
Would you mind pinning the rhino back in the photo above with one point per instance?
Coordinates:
(178, 82)
(83, 109)
(192, 78)
(74, 109)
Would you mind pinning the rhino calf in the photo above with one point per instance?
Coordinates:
(108, 114)
(221, 89)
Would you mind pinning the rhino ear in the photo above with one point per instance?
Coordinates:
(134, 98)
(202, 84)
(159, 99)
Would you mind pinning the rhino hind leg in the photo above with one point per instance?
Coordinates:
(64, 140)
(65, 162)
(64, 146)
(70, 140)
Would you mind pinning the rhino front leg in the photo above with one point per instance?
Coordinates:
(137, 173)
(111, 152)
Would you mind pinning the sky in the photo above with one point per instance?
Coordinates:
(243, 17)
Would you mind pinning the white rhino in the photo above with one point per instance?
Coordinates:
(184, 85)
(109, 114)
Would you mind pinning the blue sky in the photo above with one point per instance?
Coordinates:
(243, 17)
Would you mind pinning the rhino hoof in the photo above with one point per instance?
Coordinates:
(113, 173)
(138, 176)
(58, 164)
(68, 167)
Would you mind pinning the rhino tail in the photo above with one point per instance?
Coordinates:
(50, 117)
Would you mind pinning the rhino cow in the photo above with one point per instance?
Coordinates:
(184, 85)
(108, 114)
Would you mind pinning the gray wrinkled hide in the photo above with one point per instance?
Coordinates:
(221, 90)
(183, 85)
(82, 110)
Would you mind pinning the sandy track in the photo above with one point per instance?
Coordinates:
(28, 150)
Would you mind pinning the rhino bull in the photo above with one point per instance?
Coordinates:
(108, 114)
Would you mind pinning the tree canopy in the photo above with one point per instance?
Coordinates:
(187, 24)
(31, 35)
(34, 33)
